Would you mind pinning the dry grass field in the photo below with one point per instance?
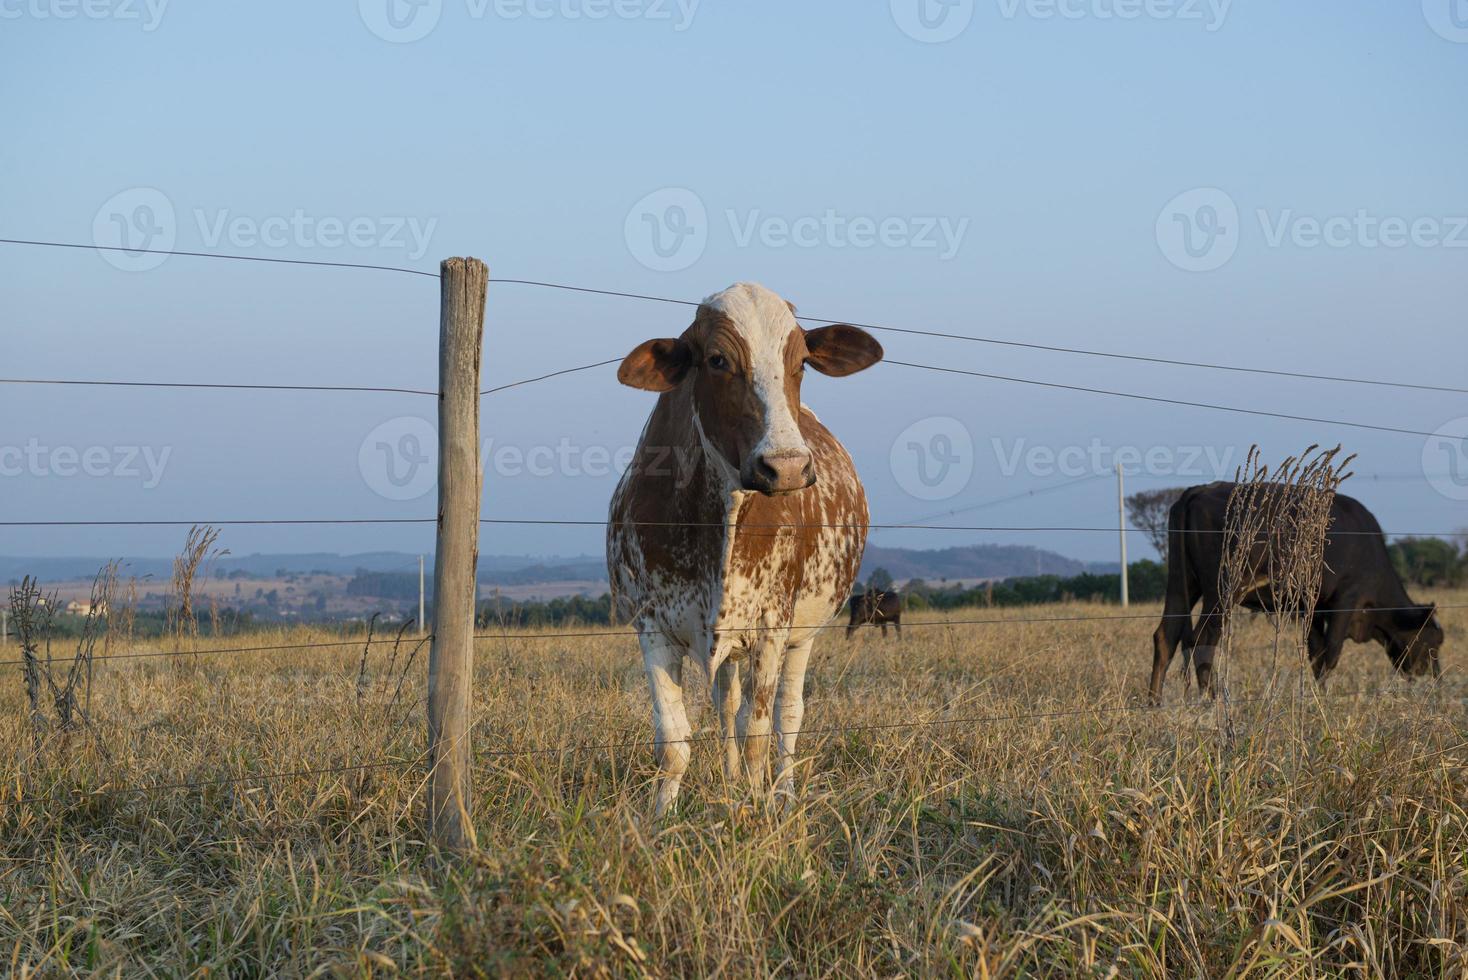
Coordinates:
(1040, 821)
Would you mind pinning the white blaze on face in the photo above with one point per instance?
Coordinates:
(765, 323)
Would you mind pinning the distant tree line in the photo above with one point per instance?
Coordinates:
(564, 611)
(1146, 581)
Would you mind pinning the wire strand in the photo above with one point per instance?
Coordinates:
(553, 374)
(221, 255)
(1034, 528)
(224, 523)
(273, 648)
(1052, 348)
(927, 723)
(991, 621)
(1160, 400)
(214, 385)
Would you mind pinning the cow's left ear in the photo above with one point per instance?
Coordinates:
(840, 349)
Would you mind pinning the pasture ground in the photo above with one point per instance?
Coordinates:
(1070, 832)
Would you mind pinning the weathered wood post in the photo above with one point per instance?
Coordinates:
(462, 284)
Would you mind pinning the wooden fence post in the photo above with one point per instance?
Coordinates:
(462, 284)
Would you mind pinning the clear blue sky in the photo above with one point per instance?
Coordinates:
(1054, 143)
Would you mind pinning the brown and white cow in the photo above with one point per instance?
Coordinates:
(738, 529)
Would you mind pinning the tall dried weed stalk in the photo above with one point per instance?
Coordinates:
(1275, 531)
(59, 692)
(192, 564)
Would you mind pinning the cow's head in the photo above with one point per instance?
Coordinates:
(743, 358)
(1413, 640)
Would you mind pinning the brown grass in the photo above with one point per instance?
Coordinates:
(1095, 839)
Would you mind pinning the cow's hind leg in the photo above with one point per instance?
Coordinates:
(755, 714)
(663, 662)
(726, 697)
(1176, 627)
(790, 710)
(1210, 631)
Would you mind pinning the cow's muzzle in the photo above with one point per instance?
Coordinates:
(782, 471)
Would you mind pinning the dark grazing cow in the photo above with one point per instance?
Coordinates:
(875, 607)
(1361, 596)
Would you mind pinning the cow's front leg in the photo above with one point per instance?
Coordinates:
(790, 710)
(756, 714)
(726, 698)
(663, 662)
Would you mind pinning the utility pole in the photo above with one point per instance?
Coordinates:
(4, 627)
(1121, 532)
(422, 623)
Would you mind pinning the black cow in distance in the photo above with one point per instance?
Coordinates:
(1361, 596)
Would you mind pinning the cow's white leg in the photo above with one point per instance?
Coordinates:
(726, 697)
(756, 714)
(790, 709)
(663, 662)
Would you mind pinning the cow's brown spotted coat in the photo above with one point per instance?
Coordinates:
(736, 578)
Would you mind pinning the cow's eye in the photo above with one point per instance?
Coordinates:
(718, 362)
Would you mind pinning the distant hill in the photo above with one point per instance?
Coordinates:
(979, 561)
(493, 569)
(975, 561)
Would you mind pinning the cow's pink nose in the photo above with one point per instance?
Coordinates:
(781, 471)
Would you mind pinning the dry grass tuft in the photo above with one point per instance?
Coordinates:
(1094, 837)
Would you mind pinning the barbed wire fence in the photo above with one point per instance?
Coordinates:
(447, 757)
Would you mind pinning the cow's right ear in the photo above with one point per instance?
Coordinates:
(656, 365)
